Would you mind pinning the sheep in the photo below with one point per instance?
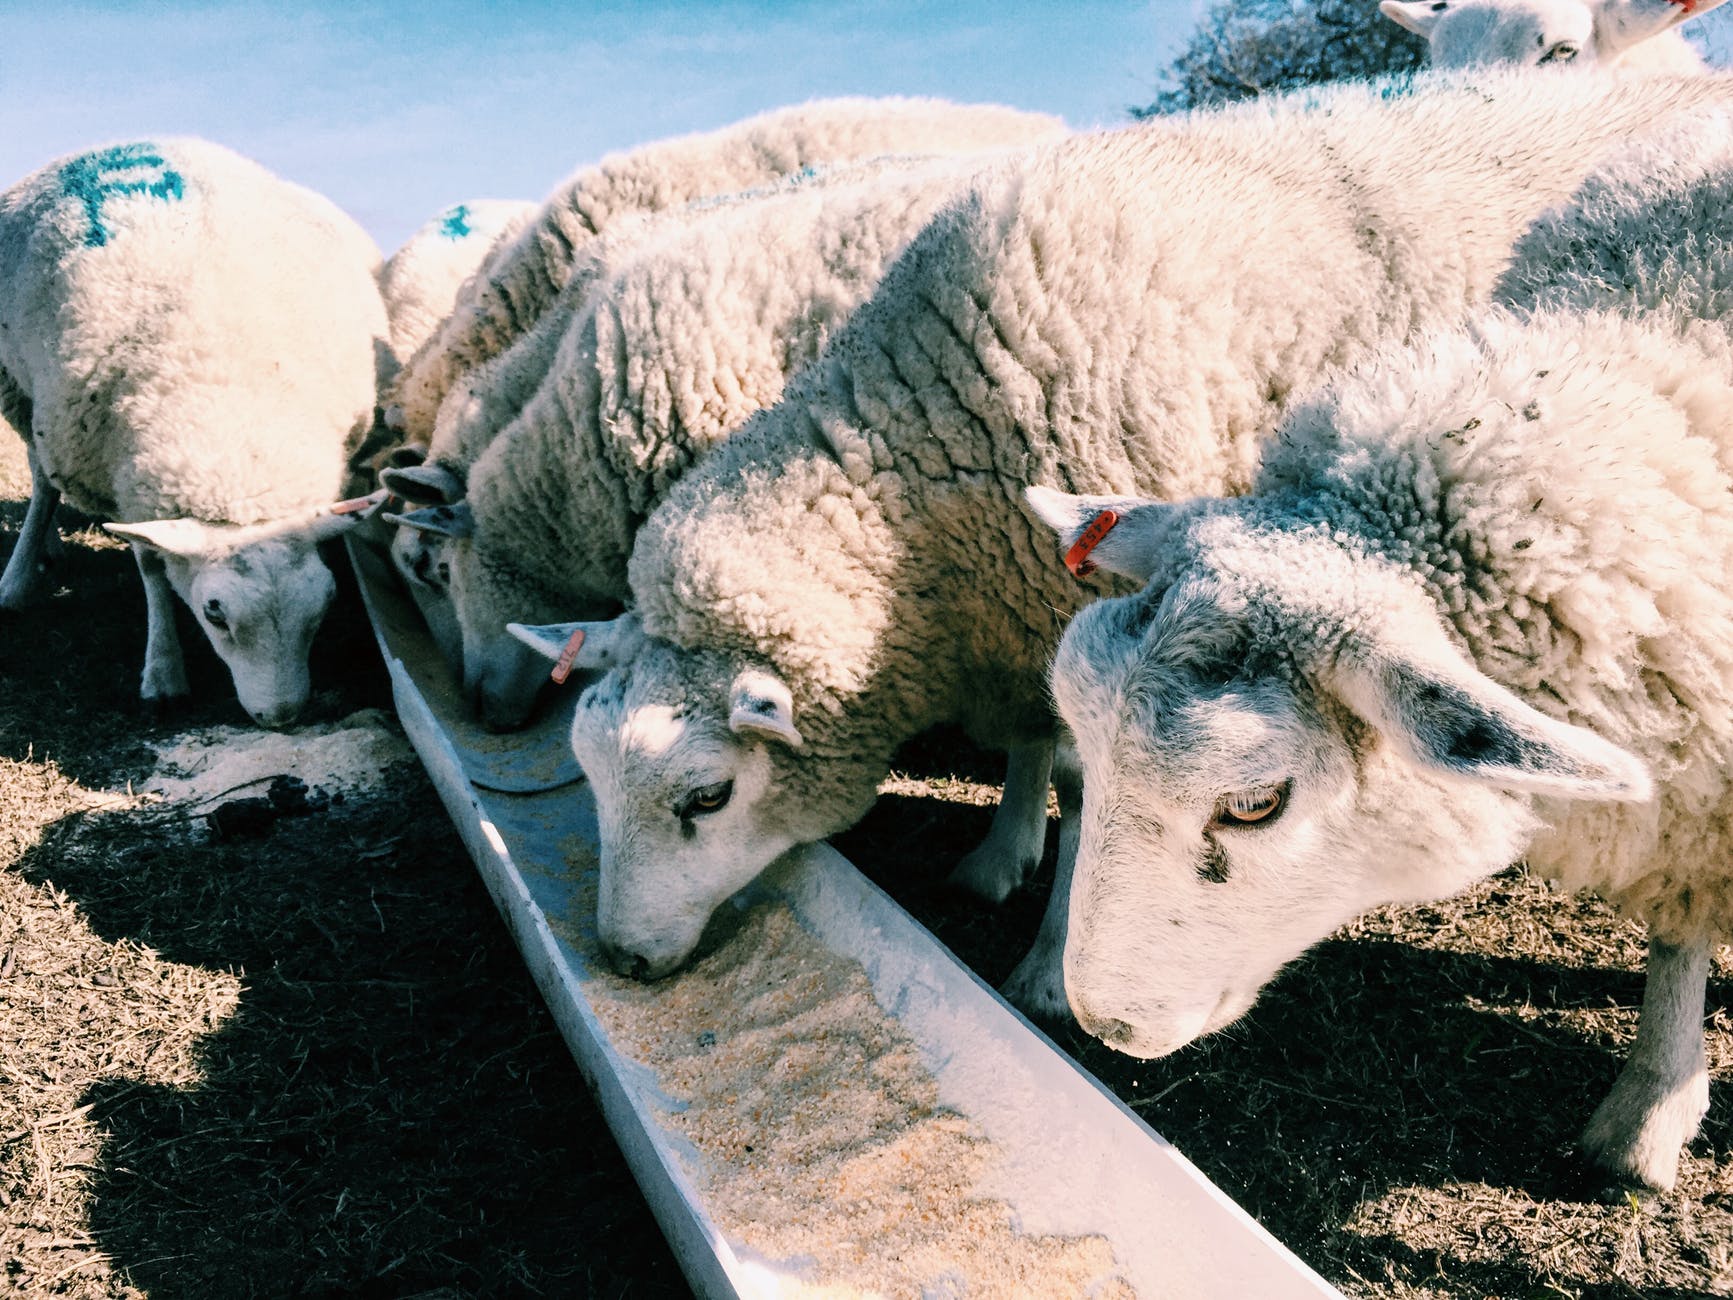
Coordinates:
(699, 325)
(1374, 681)
(420, 281)
(1477, 606)
(191, 344)
(1133, 308)
(508, 321)
(523, 276)
(1633, 35)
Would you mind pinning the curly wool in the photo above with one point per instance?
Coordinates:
(1124, 313)
(1562, 486)
(190, 335)
(420, 281)
(523, 276)
(699, 324)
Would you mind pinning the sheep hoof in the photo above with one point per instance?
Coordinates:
(26, 591)
(990, 873)
(163, 687)
(1037, 989)
(1636, 1134)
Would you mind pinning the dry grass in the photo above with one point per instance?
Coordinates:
(310, 1064)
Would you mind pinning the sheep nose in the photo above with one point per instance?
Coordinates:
(631, 965)
(278, 718)
(1115, 1033)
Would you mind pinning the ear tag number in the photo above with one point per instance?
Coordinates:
(568, 657)
(1077, 558)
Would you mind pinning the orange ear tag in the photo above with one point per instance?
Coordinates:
(568, 657)
(355, 505)
(1077, 558)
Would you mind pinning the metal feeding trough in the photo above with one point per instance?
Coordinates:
(1056, 1157)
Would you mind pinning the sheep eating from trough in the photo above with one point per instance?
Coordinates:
(698, 327)
(1131, 308)
(191, 346)
(488, 358)
(523, 276)
(1477, 606)
(1632, 35)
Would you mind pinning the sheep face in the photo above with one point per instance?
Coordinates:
(685, 754)
(502, 678)
(1536, 33)
(1477, 33)
(260, 607)
(1274, 739)
(259, 593)
(258, 600)
(468, 591)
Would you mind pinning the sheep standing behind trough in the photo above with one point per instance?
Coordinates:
(491, 354)
(421, 280)
(1631, 35)
(1127, 311)
(696, 326)
(191, 345)
(1479, 605)
(523, 276)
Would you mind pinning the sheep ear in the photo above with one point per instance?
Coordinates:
(343, 517)
(1125, 535)
(1418, 16)
(1447, 715)
(448, 521)
(430, 485)
(407, 456)
(1620, 24)
(188, 538)
(592, 646)
(762, 704)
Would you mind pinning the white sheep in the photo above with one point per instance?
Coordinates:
(191, 344)
(1633, 35)
(1477, 606)
(697, 325)
(1128, 311)
(420, 281)
(523, 276)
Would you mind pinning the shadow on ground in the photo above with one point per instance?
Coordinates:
(390, 1110)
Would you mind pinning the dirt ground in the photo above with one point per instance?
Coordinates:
(311, 1064)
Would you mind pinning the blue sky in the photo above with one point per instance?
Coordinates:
(396, 110)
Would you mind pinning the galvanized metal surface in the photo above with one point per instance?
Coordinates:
(1071, 1158)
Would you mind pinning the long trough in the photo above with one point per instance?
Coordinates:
(1055, 1159)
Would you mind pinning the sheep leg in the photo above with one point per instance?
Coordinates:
(38, 543)
(1018, 835)
(165, 675)
(1661, 1095)
(1037, 986)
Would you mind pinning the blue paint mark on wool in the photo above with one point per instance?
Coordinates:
(88, 178)
(456, 224)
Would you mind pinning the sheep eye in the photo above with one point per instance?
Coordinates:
(1563, 52)
(215, 616)
(1261, 803)
(705, 799)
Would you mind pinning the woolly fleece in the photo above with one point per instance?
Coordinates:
(1122, 313)
(523, 276)
(700, 326)
(420, 281)
(200, 347)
